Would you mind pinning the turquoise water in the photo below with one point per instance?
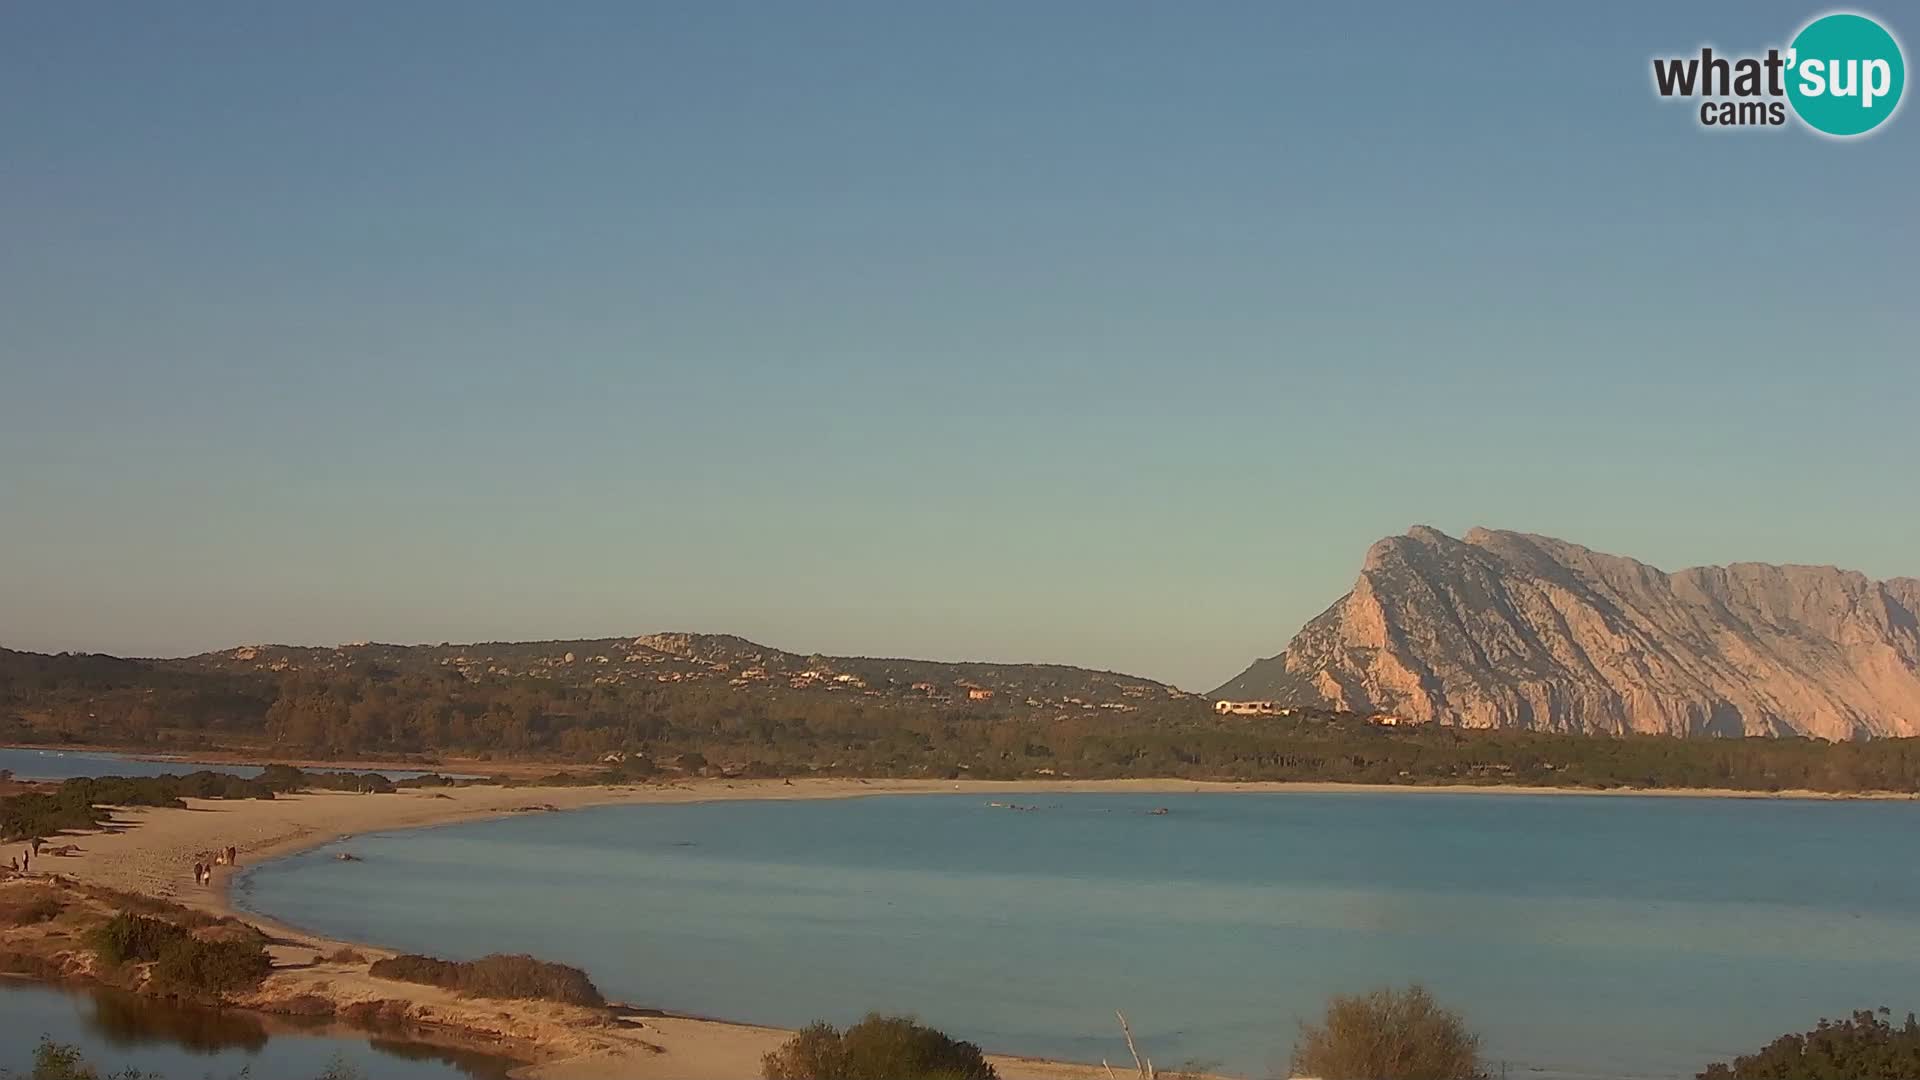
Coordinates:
(1582, 936)
(120, 1031)
(27, 764)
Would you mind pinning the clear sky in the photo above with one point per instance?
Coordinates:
(1103, 333)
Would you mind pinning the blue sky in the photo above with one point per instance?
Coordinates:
(1102, 333)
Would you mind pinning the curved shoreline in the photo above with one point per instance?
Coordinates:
(219, 902)
(149, 851)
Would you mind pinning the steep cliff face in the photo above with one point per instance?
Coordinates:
(1510, 630)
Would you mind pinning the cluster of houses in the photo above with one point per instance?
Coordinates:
(678, 658)
(1271, 708)
(1250, 708)
(826, 680)
(679, 666)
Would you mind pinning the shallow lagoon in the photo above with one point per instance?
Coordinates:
(1584, 936)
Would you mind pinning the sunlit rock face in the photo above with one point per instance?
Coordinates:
(1510, 630)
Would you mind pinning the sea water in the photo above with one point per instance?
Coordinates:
(1580, 935)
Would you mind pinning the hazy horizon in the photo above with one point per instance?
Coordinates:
(1089, 334)
(804, 650)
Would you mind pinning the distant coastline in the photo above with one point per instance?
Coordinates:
(243, 756)
(522, 770)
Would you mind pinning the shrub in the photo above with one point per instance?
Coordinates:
(814, 1053)
(424, 780)
(233, 930)
(1863, 1047)
(211, 967)
(80, 803)
(34, 813)
(1388, 1035)
(59, 1061)
(27, 911)
(128, 938)
(494, 976)
(345, 955)
(182, 962)
(877, 1048)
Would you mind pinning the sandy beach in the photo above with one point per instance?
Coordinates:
(150, 852)
(151, 849)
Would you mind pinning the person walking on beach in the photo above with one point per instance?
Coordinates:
(233, 855)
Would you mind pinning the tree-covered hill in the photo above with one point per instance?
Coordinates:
(670, 704)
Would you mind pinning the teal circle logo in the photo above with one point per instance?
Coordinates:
(1845, 74)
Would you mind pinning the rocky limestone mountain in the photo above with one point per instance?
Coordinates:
(1510, 630)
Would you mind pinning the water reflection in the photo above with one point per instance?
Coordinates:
(119, 1030)
(471, 1063)
(126, 1021)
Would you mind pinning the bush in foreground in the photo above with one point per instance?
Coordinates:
(211, 967)
(1388, 1035)
(877, 1048)
(1864, 1047)
(128, 938)
(182, 963)
(495, 976)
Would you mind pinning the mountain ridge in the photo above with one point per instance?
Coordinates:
(1503, 629)
(681, 656)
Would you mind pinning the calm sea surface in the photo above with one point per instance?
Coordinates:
(119, 1031)
(1582, 936)
(67, 764)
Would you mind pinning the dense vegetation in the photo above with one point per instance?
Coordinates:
(183, 962)
(80, 803)
(1388, 1035)
(495, 976)
(361, 708)
(876, 1048)
(1867, 1046)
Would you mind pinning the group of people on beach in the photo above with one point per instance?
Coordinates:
(23, 862)
(227, 856)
